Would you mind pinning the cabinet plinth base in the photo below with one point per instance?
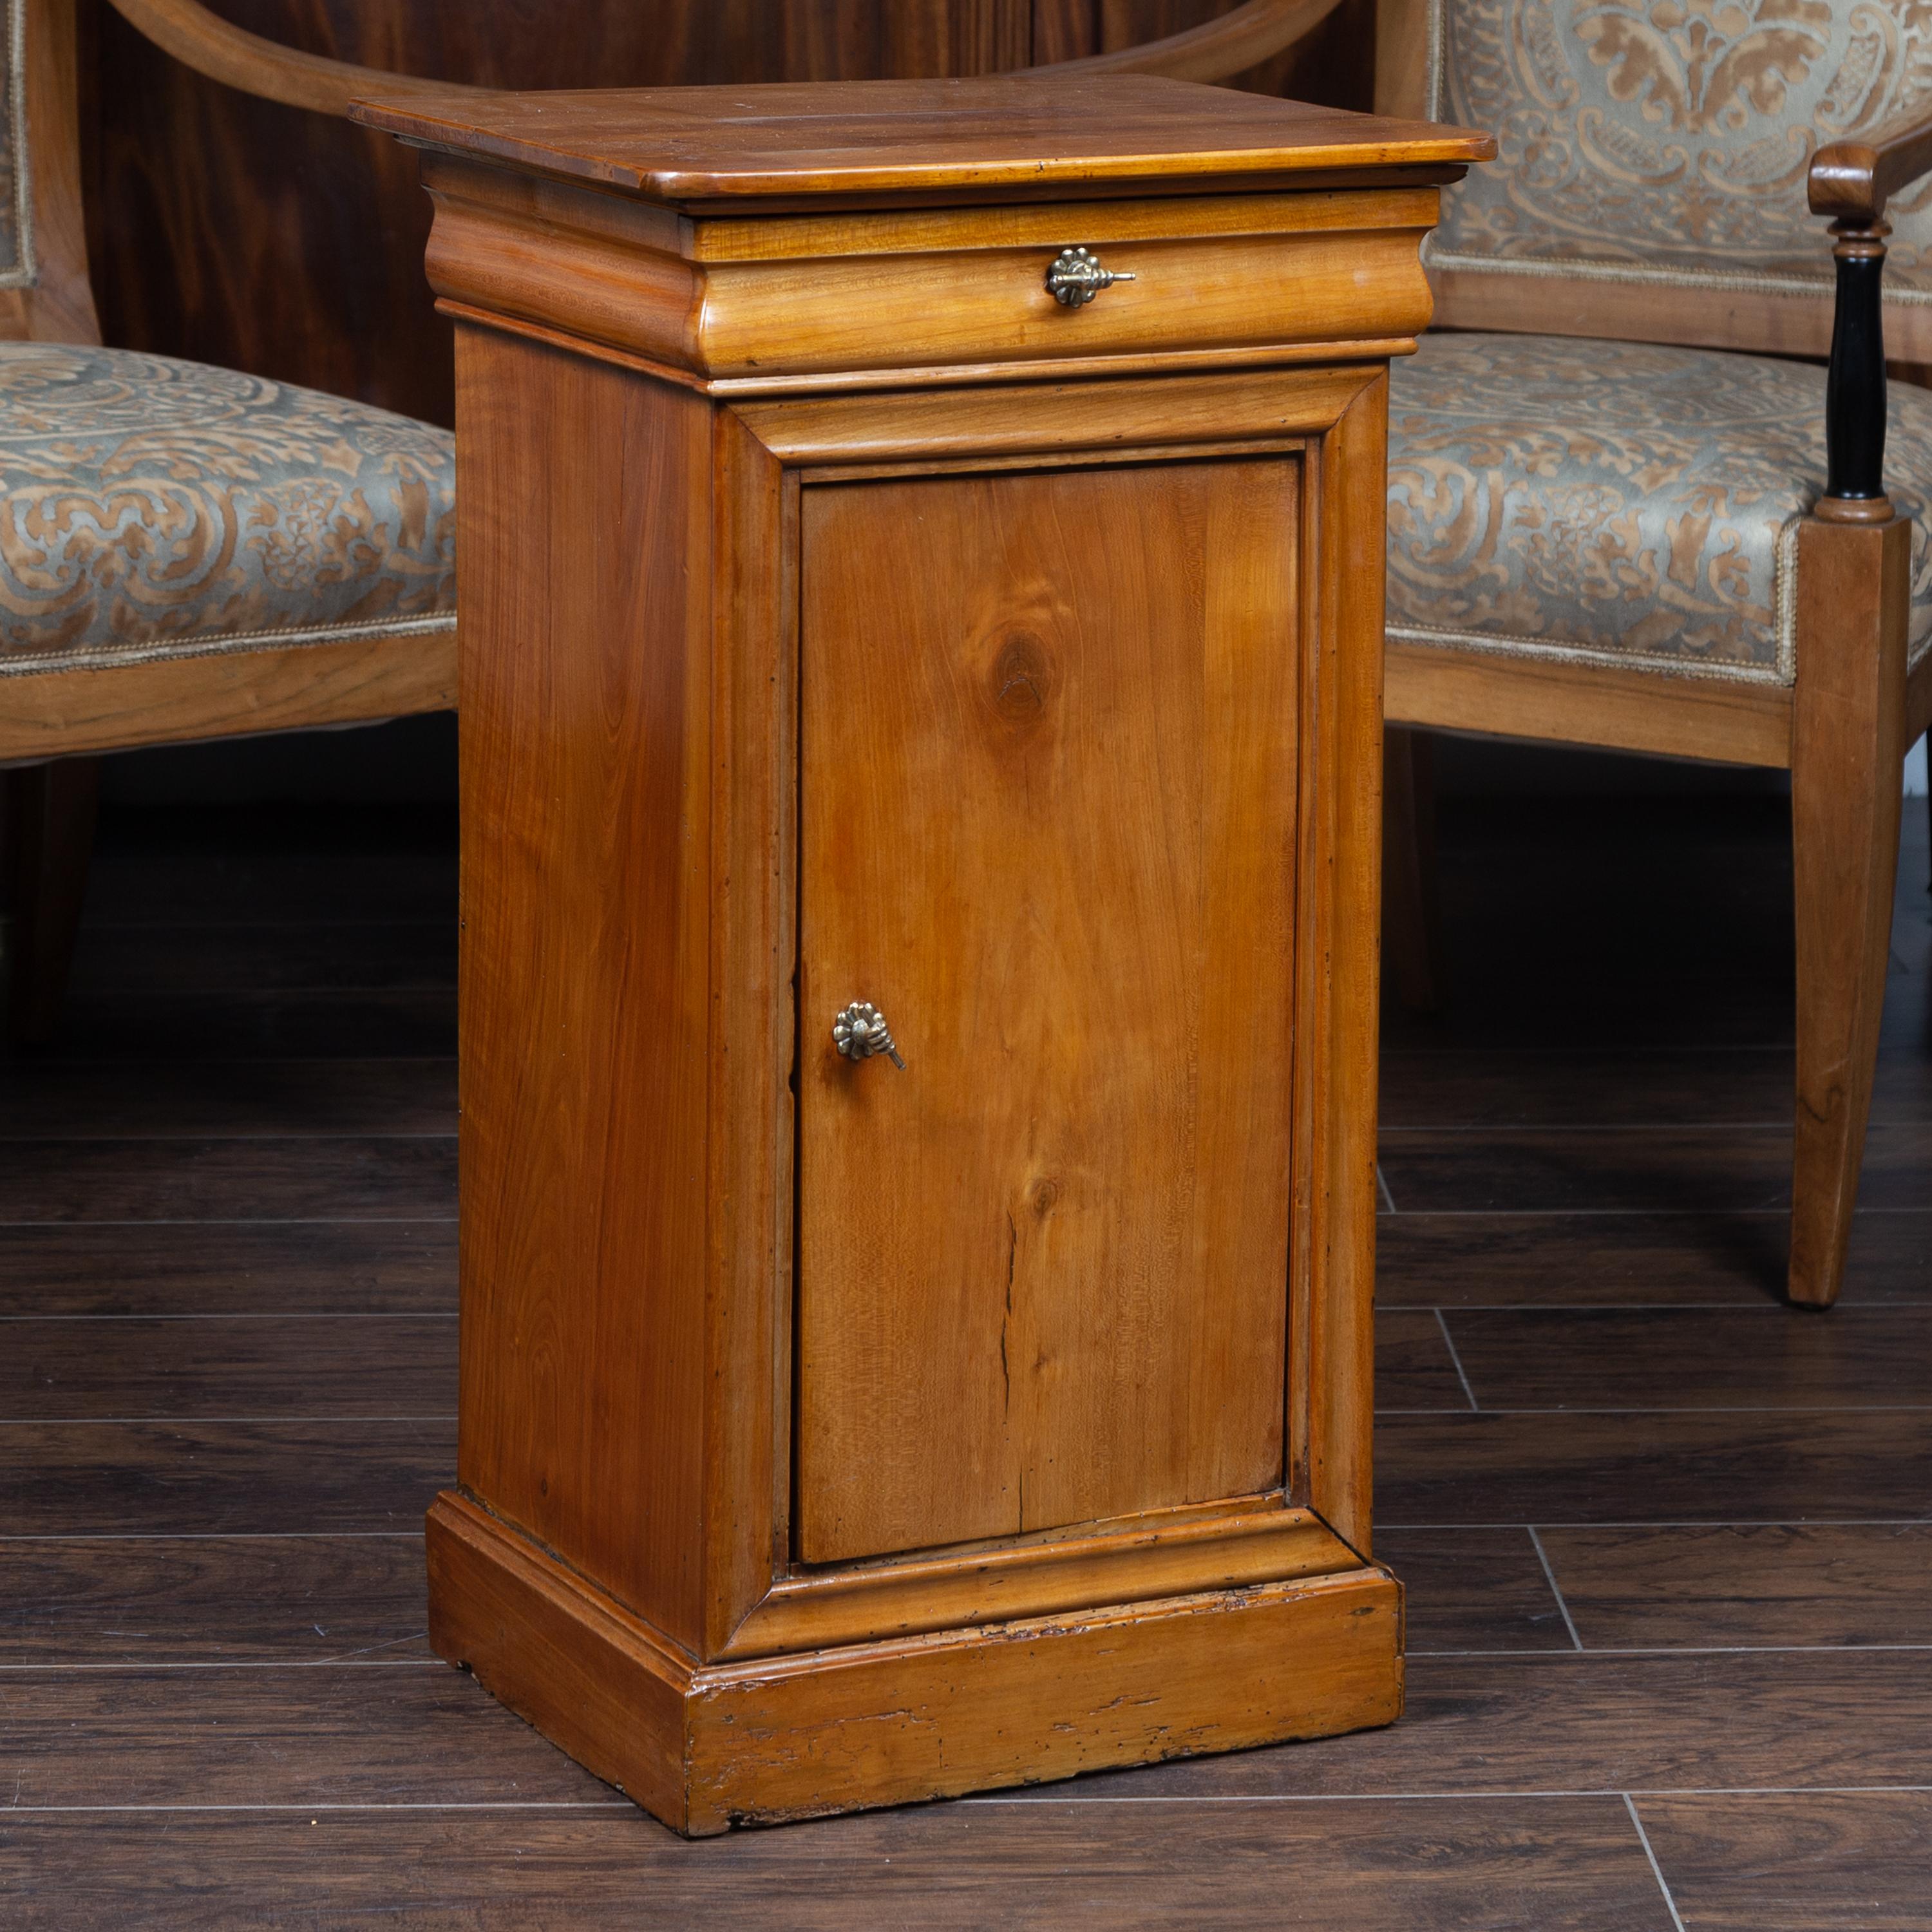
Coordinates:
(705, 1746)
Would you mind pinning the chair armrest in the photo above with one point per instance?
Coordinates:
(1230, 45)
(237, 59)
(1851, 181)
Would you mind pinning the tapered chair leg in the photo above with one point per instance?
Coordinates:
(1411, 902)
(1847, 749)
(50, 811)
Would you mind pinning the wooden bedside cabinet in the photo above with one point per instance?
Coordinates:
(921, 630)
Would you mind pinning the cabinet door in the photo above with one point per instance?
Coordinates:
(1048, 759)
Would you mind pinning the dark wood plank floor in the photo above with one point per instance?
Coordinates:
(1668, 1543)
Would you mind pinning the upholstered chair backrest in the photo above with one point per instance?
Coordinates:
(1666, 142)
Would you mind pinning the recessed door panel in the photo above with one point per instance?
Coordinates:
(1047, 811)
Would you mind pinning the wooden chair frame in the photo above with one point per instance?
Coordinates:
(1842, 729)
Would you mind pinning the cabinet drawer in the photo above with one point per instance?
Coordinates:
(778, 300)
(1047, 815)
(1199, 294)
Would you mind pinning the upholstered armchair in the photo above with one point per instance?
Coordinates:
(1622, 512)
(185, 552)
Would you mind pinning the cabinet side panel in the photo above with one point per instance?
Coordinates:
(584, 502)
(1048, 759)
(1341, 927)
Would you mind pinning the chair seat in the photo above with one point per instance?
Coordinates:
(1615, 503)
(159, 508)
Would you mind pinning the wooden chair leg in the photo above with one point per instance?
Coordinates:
(1847, 747)
(1411, 903)
(50, 810)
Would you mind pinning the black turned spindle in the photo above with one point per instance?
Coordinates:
(1855, 391)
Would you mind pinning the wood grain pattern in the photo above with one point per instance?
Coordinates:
(1086, 974)
(753, 962)
(382, 1365)
(705, 1749)
(58, 714)
(1086, 767)
(288, 1599)
(1656, 1259)
(385, 1178)
(334, 1733)
(585, 515)
(1826, 1862)
(969, 140)
(1156, 1554)
(1738, 1584)
(1240, 40)
(187, 1477)
(254, 65)
(836, 297)
(1788, 1466)
(1676, 1358)
(1848, 741)
(1413, 1367)
(1573, 1721)
(1727, 722)
(1332, 1265)
(1474, 1590)
(1128, 1686)
(1074, 421)
(309, 1267)
(1436, 1864)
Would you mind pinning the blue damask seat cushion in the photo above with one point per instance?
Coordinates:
(151, 507)
(1616, 503)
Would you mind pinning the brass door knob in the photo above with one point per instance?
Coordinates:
(860, 1031)
(1077, 277)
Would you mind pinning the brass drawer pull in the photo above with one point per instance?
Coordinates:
(1077, 277)
(860, 1031)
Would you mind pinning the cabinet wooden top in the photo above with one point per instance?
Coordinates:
(883, 141)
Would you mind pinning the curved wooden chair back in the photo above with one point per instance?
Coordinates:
(1244, 37)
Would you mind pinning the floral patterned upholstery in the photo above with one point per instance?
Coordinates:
(1669, 139)
(1615, 503)
(152, 507)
